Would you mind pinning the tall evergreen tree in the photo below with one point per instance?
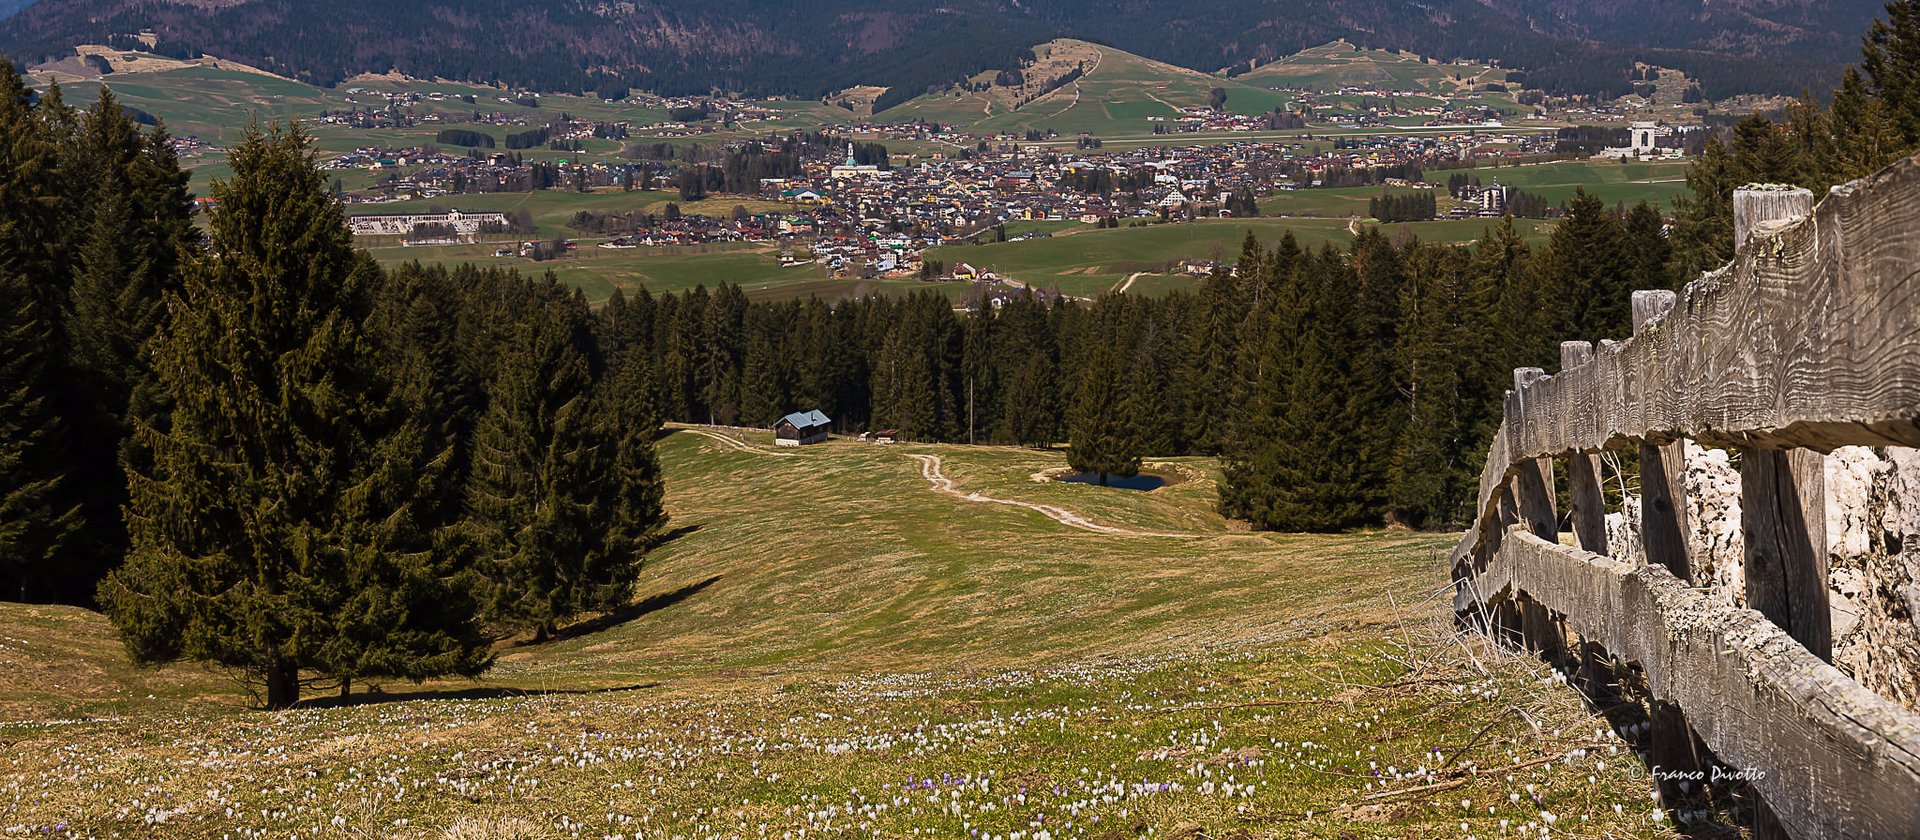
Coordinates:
(38, 517)
(271, 510)
(135, 218)
(540, 501)
(1101, 432)
(1586, 278)
(1432, 467)
(1890, 56)
(1647, 251)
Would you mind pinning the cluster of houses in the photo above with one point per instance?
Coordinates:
(865, 220)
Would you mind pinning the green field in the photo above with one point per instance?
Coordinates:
(1087, 261)
(830, 646)
(215, 104)
(1614, 181)
(1339, 64)
(1114, 98)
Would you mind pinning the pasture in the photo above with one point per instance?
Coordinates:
(1115, 97)
(1085, 261)
(829, 646)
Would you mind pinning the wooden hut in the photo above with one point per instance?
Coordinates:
(801, 428)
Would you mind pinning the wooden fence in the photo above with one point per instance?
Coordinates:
(1808, 341)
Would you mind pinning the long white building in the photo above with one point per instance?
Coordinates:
(464, 224)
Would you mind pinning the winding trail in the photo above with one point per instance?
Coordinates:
(930, 470)
(1127, 283)
(736, 443)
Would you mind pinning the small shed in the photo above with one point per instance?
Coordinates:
(801, 428)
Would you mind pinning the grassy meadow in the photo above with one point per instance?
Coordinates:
(1115, 97)
(1085, 261)
(1339, 64)
(827, 645)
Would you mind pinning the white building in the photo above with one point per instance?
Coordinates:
(464, 224)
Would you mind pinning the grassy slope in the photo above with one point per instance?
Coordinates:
(1338, 64)
(215, 105)
(826, 629)
(1614, 181)
(1085, 261)
(1113, 99)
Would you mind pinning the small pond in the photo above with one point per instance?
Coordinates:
(1143, 481)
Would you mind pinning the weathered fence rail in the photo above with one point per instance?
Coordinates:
(1808, 341)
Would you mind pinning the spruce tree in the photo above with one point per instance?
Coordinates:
(763, 396)
(268, 498)
(1647, 251)
(1101, 433)
(38, 517)
(1865, 138)
(537, 502)
(1890, 55)
(635, 486)
(134, 217)
(1587, 282)
(1431, 465)
(1306, 471)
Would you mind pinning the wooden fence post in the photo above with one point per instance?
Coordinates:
(1783, 498)
(1583, 472)
(1663, 492)
(1754, 206)
(1782, 493)
(1663, 533)
(1533, 487)
(1783, 509)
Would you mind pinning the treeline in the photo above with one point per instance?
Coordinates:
(530, 139)
(741, 170)
(257, 449)
(1873, 120)
(1403, 207)
(465, 138)
(1342, 387)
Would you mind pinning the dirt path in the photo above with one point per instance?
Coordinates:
(1127, 283)
(930, 470)
(736, 443)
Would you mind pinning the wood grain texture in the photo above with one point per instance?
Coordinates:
(1810, 338)
(1663, 507)
(1783, 511)
(1840, 761)
(1808, 341)
(1754, 208)
(1589, 506)
(1584, 491)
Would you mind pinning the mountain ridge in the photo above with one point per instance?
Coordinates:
(775, 47)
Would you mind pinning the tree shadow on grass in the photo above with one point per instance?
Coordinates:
(669, 536)
(607, 621)
(592, 625)
(472, 693)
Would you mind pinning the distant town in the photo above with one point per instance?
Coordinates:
(876, 219)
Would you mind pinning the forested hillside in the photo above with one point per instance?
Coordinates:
(252, 447)
(767, 47)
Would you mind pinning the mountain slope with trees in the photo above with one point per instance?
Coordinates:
(811, 49)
